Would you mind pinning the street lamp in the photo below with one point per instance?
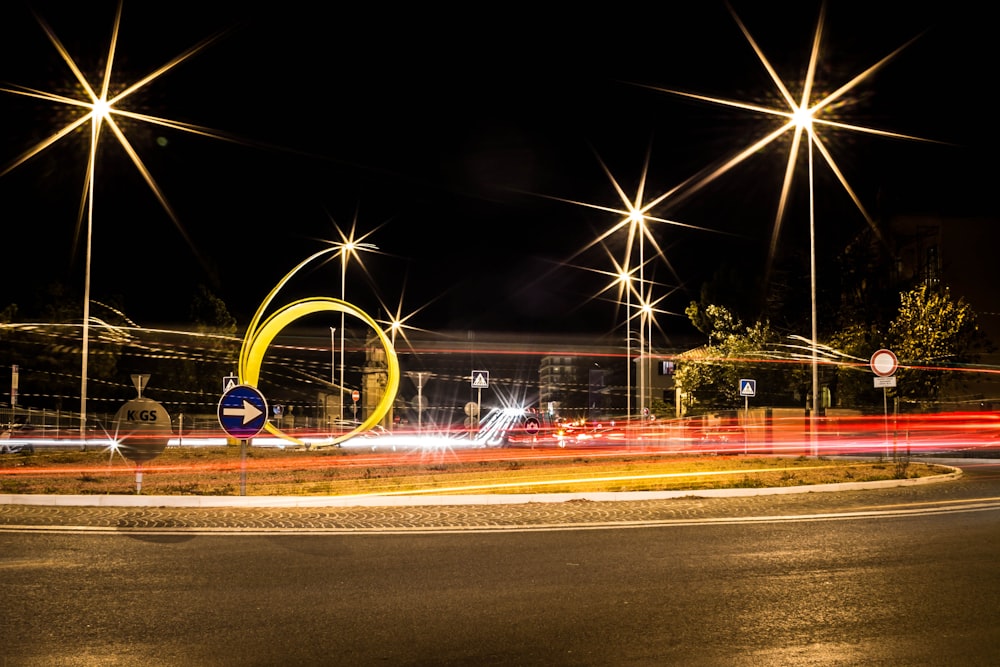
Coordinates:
(637, 221)
(645, 351)
(100, 107)
(625, 279)
(347, 248)
(333, 366)
(419, 375)
(812, 297)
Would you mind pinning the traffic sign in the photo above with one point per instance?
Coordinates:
(748, 387)
(143, 428)
(480, 379)
(242, 411)
(531, 425)
(884, 363)
(355, 395)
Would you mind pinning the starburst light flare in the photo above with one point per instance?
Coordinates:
(350, 246)
(806, 117)
(635, 219)
(99, 107)
(397, 324)
(803, 119)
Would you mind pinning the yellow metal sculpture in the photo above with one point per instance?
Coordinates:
(260, 334)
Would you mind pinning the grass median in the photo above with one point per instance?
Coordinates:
(338, 472)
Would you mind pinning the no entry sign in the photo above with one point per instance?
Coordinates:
(884, 363)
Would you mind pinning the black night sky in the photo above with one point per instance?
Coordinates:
(456, 140)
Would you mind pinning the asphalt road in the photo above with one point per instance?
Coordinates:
(904, 575)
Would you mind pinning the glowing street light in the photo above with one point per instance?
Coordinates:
(333, 368)
(100, 110)
(348, 247)
(634, 217)
(800, 117)
(625, 281)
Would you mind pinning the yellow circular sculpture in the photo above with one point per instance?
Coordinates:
(259, 337)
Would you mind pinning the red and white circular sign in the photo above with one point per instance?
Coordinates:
(884, 363)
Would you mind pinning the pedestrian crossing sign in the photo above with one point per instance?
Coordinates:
(480, 379)
(748, 387)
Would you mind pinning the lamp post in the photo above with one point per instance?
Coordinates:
(812, 297)
(625, 278)
(639, 220)
(85, 348)
(346, 249)
(419, 375)
(333, 364)
(647, 364)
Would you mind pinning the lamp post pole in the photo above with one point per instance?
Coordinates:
(812, 278)
(333, 364)
(343, 279)
(346, 249)
(627, 282)
(419, 375)
(649, 359)
(642, 311)
(95, 130)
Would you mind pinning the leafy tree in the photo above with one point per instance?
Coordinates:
(209, 313)
(189, 364)
(709, 377)
(46, 341)
(933, 332)
(852, 379)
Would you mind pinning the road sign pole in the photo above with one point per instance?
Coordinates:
(746, 421)
(243, 466)
(884, 364)
(242, 414)
(885, 411)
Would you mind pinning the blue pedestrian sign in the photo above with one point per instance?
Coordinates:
(748, 387)
(480, 379)
(242, 411)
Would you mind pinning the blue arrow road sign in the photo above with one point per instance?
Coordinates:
(242, 411)
(748, 387)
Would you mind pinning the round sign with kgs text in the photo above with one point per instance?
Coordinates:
(143, 428)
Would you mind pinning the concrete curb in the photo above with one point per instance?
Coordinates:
(422, 500)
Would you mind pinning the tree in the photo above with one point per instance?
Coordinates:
(45, 341)
(852, 382)
(189, 364)
(709, 377)
(932, 333)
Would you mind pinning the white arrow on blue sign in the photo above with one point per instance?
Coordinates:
(748, 387)
(242, 411)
